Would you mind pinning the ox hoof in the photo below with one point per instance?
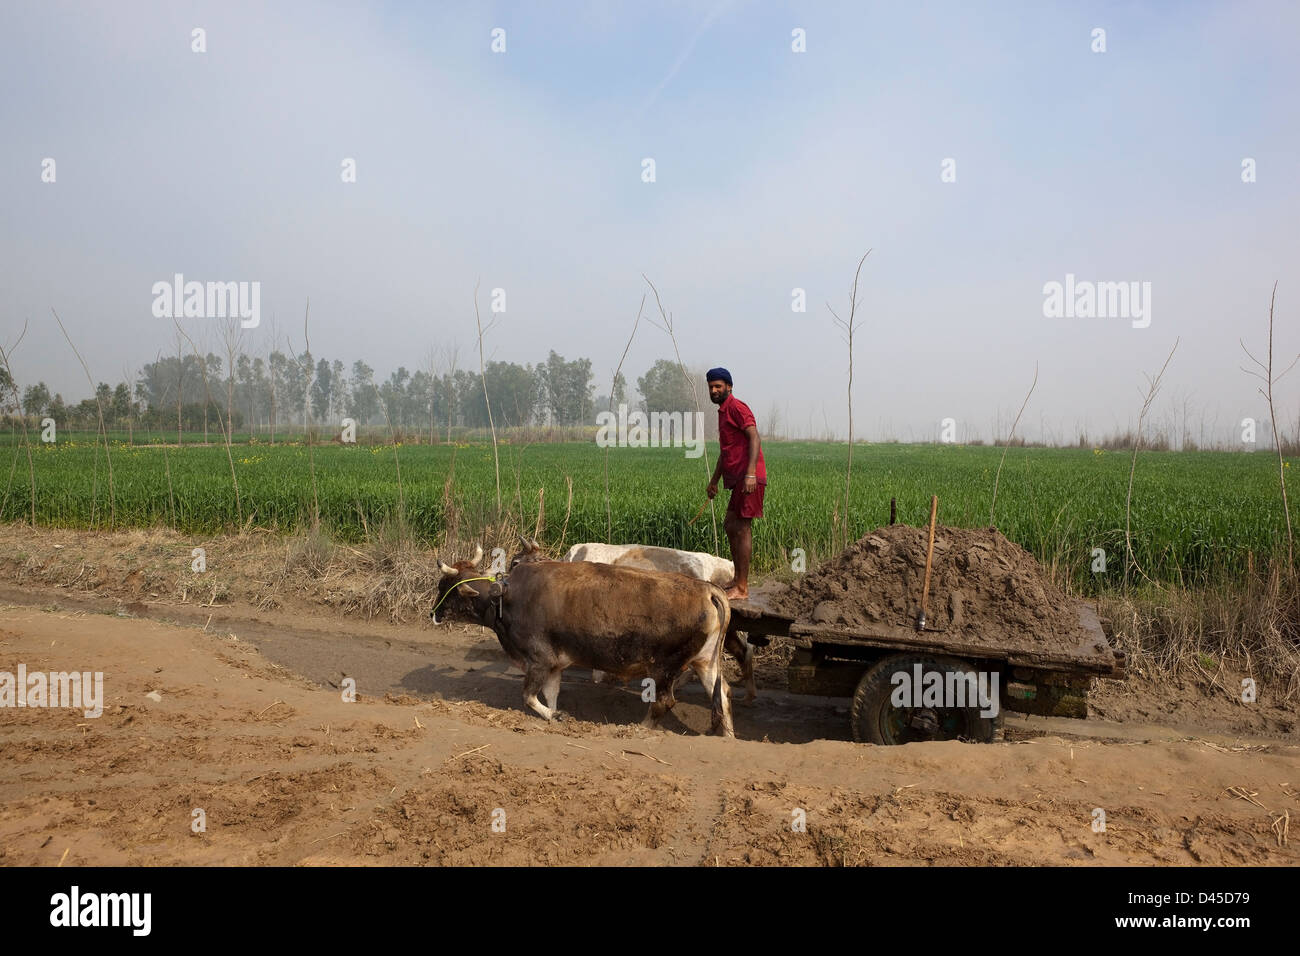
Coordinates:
(722, 728)
(560, 716)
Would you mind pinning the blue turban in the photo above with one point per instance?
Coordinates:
(718, 375)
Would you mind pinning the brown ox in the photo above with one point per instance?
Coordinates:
(666, 561)
(628, 623)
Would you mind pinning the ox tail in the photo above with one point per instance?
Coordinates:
(719, 599)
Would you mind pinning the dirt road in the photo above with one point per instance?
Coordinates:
(438, 762)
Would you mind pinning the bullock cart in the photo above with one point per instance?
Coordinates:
(876, 669)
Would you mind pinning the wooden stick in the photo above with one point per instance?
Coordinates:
(467, 753)
(266, 708)
(929, 557)
(641, 753)
(697, 514)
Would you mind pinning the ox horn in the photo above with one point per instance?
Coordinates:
(447, 569)
(478, 554)
(535, 545)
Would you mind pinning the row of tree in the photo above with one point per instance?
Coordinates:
(189, 393)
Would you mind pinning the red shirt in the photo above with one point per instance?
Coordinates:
(734, 417)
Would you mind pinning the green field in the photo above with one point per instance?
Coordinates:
(1195, 514)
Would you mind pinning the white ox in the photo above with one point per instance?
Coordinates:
(695, 564)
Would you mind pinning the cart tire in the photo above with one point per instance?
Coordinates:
(876, 720)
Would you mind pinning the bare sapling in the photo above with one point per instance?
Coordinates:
(129, 376)
(541, 513)
(272, 371)
(22, 417)
(431, 359)
(609, 512)
(167, 467)
(1153, 387)
(108, 454)
(1005, 448)
(568, 510)
(180, 383)
(496, 457)
(232, 334)
(695, 394)
(1265, 374)
(453, 353)
(309, 372)
(849, 327)
(397, 465)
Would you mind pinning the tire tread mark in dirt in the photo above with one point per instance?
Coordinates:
(693, 841)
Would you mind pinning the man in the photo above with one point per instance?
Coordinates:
(741, 467)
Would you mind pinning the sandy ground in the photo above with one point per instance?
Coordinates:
(437, 761)
(286, 772)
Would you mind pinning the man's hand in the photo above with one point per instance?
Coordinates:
(712, 489)
(751, 484)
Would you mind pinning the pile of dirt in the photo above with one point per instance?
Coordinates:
(984, 589)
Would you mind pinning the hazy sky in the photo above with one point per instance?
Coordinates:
(774, 170)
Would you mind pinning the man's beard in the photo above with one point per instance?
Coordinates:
(718, 399)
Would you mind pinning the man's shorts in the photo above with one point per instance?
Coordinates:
(746, 505)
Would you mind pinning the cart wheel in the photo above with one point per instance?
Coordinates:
(876, 720)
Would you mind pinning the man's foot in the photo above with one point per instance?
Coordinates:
(736, 594)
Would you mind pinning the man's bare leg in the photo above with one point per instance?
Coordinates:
(740, 537)
(729, 528)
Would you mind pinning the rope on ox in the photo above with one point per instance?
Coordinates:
(453, 588)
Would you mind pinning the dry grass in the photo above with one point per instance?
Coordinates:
(310, 552)
(1250, 624)
(392, 574)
